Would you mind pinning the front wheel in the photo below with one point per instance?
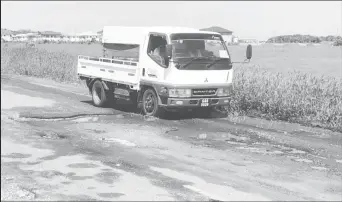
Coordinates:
(150, 103)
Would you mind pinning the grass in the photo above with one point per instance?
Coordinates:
(296, 93)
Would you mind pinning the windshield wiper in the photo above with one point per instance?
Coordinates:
(215, 61)
(193, 59)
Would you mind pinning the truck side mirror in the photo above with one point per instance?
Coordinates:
(169, 51)
(249, 52)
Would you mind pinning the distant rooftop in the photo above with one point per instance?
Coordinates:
(217, 29)
(50, 33)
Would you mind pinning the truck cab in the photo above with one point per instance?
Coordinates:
(161, 68)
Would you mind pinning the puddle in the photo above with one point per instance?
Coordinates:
(87, 180)
(10, 100)
(83, 165)
(119, 116)
(51, 135)
(275, 152)
(150, 118)
(236, 143)
(32, 154)
(16, 156)
(295, 151)
(232, 137)
(303, 160)
(120, 141)
(85, 119)
(110, 195)
(318, 168)
(212, 191)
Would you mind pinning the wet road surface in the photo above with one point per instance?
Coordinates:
(56, 146)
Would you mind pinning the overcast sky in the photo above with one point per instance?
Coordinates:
(258, 19)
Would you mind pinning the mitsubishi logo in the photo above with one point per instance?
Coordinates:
(206, 80)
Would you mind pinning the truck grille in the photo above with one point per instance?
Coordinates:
(205, 92)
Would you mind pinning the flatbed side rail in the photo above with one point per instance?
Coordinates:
(108, 60)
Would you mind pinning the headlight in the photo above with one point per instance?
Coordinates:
(179, 92)
(224, 91)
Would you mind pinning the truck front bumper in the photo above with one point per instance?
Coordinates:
(195, 102)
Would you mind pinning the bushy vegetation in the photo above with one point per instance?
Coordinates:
(30, 61)
(338, 43)
(297, 97)
(297, 38)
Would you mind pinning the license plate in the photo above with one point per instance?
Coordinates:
(205, 103)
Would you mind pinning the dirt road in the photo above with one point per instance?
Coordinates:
(56, 146)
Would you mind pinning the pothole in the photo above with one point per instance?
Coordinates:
(51, 135)
(83, 165)
(17, 156)
(75, 118)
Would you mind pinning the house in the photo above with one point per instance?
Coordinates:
(226, 34)
(26, 37)
(87, 36)
(50, 36)
(249, 41)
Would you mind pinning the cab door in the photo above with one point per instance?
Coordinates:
(153, 65)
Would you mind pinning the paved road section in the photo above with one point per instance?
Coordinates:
(55, 145)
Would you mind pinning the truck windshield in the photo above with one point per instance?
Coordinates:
(200, 52)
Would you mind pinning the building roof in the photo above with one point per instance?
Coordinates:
(217, 29)
(26, 34)
(136, 35)
(50, 33)
(89, 33)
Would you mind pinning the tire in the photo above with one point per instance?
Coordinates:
(99, 94)
(150, 105)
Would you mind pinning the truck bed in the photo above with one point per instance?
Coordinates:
(123, 70)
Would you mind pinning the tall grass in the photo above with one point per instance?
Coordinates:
(59, 66)
(295, 97)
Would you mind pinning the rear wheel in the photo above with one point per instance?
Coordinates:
(150, 105)
(100, 96)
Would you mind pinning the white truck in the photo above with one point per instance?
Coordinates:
(160, 69)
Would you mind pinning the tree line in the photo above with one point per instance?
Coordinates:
(297, 38)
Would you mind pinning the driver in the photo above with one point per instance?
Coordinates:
(158, 54)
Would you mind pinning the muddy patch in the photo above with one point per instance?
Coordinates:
(110, 195)
(119, 141)
(17, 156)
(319, 168)
(51, 174)
(80, 177)
(32, 154)
(97, 131)
(83, 165)
(296, 151)
(85, 119)
(302, 160)
(52, 135)
(210, 190)
(87, 174)
(107, 177)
